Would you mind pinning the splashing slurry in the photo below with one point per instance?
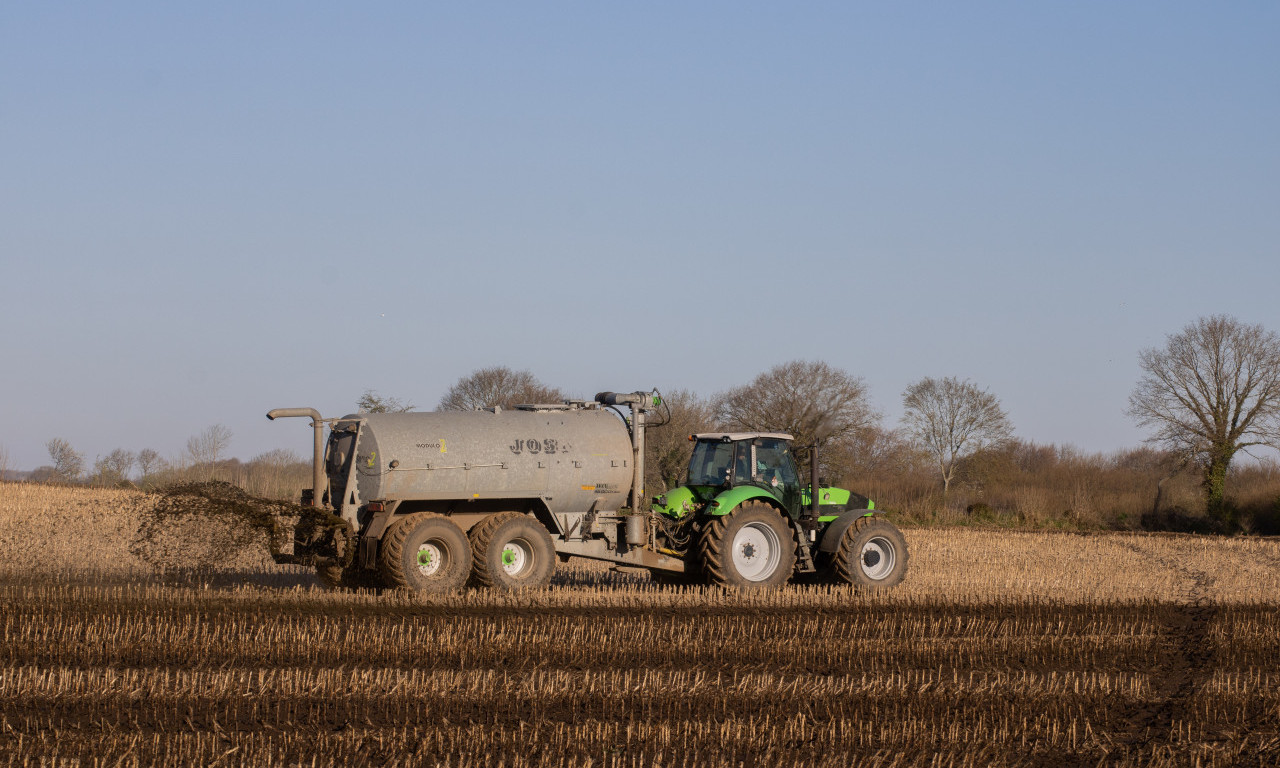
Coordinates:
(216, 525)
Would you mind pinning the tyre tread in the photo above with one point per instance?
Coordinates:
(846, 563)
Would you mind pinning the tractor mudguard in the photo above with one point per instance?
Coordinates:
(831, 537)
(730, 499)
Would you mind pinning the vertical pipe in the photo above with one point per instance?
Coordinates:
(637, 455)
(813, 482)
(317, 457)
(317, 464)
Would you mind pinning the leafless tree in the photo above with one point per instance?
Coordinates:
(499, 386)
(149, 462)
(68, 464)
(812, 401)
(1213, 390)
(953, 419)
(113, 468)
(4, 463)
(372, 402)
(667, 447)
(207, 448)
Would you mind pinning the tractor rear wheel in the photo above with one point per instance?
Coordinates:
(425, 552)
(872, 553)
(511, 550)
(751, 546)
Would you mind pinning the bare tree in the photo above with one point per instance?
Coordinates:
(1213, 390)
(499, 386)
(4, 463)
(68, 464)
(207, 448)
(667, 446)
(113, 468)
(148, 462)
(812, 401)
(953, 419)
(372, 402)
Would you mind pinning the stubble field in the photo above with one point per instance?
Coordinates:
(1001, 648)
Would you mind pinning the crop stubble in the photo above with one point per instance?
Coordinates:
(1000, 649)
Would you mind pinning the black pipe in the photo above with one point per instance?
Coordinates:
(813, 482)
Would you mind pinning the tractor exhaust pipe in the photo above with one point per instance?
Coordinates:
(317, 459)
(813, 512)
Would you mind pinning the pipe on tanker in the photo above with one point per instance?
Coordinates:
(317, 458)
(636, 401)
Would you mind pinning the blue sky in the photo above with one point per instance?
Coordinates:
(210, 211)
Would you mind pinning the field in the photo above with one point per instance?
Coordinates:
(1001, 648)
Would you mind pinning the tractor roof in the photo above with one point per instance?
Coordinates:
(729, 437)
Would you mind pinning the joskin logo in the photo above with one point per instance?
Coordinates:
(533, 446)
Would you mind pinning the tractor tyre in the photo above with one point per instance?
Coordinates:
(337, 577)
(872, 553)
(752, 546)
(511, 550)
(425, 552)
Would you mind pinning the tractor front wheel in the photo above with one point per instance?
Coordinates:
(511, 550)
(872, 553)
(751, 546)
(426, 553)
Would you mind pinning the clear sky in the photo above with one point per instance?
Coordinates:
(211, 210)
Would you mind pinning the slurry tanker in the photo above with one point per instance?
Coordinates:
(428, 501)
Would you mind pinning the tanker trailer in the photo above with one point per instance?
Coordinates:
(427, 500)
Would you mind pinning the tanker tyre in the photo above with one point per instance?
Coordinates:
(425, 552)
(872, 553)
(511, 550)
(752, 546)
(329, 575)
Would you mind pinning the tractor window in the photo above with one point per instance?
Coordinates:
(774, 462)
(711, 463)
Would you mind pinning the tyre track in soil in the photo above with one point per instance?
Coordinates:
(1178, 676)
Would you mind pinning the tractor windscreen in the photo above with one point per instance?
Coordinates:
(711, 463)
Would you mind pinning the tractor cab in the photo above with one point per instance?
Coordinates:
(724, 460)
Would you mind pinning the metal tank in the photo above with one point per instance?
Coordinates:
(573, 457)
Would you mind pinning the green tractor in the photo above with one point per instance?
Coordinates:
(745, 518)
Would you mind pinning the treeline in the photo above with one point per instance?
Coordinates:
(1211, 393)
(274, 474)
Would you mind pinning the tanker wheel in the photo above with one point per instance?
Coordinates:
(511, 550)
(872, 553)
(337, 577)
(425, 552)
(751, 546)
